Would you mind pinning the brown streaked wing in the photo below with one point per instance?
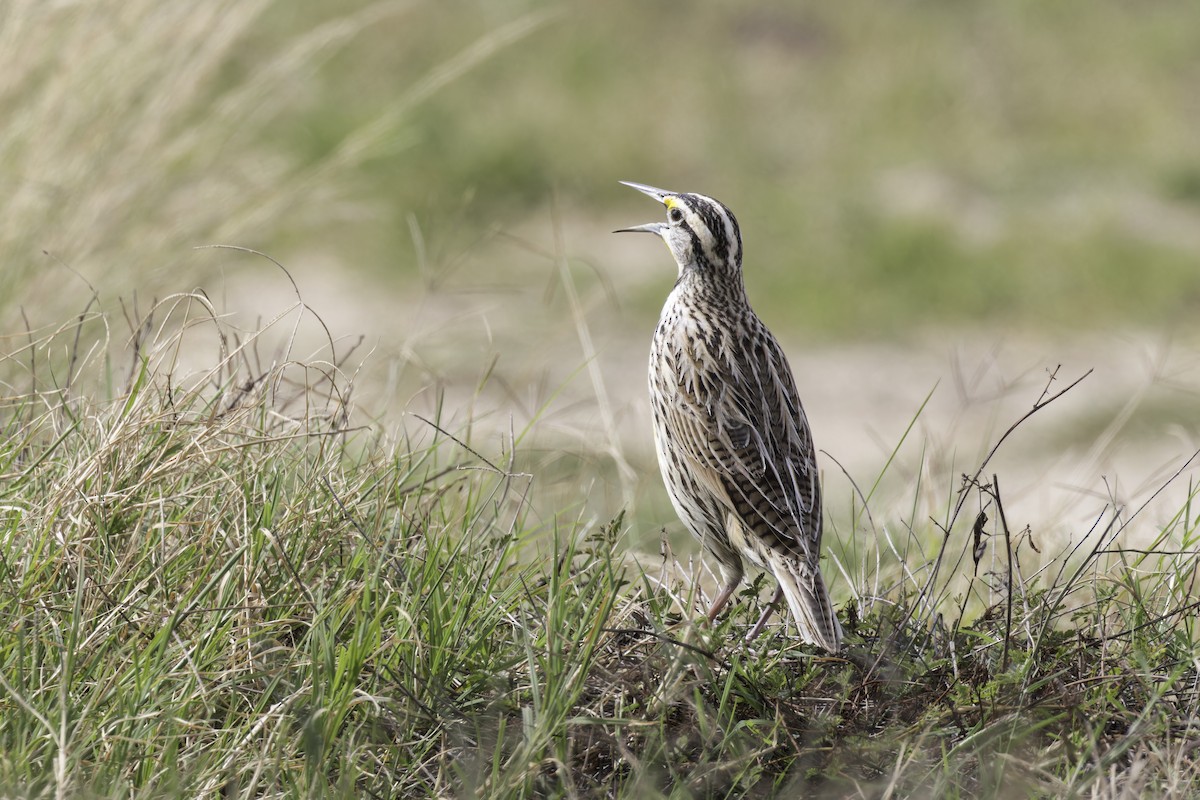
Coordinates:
(749, 432)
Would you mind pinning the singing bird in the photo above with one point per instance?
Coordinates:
(733, 443)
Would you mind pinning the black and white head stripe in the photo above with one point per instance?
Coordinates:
(716, 237)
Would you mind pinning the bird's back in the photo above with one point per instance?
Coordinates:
(725, 405)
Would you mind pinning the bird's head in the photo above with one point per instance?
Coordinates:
(701, 232)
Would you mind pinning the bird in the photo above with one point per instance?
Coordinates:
(733, 442)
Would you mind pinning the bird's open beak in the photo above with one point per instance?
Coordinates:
(656, 228)
(661, 195)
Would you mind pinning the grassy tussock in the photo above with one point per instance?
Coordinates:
(217, 582)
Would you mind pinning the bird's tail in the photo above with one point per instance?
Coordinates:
(813, 611)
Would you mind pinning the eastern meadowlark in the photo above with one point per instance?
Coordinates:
(733, 443)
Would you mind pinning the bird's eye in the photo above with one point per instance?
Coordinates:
(675, 215)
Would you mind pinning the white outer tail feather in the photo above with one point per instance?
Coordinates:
(808, 600)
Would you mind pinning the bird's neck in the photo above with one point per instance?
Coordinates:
(716, 288)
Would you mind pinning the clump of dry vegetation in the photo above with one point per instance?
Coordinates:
(217, 579)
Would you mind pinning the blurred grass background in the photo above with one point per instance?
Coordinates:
(442, 177)
(918, 164)
(914, 165)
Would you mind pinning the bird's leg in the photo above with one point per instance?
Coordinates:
(766, 614)
(731, 585)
